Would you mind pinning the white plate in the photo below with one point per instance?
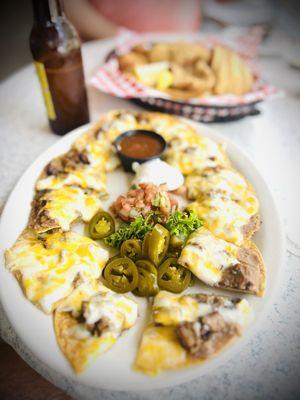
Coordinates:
(113, 369)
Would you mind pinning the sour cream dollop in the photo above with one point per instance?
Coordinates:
(157, 172)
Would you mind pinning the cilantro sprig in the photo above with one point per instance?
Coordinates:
(183, 223)
(135, 230)
(180, 224)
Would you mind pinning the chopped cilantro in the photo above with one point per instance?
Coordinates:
(182, 224)
(135, 230)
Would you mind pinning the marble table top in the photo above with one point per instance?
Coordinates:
(268, 366)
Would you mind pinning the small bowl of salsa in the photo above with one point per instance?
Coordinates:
(139, 146)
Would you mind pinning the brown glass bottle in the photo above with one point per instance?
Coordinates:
(55, 47)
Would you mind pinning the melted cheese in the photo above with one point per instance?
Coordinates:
(98, 150)
(86, 177)
(224, 217)
(75, 337)
(207, 256)
(241, 314)
(82, 292)
(195, 154)
(159, 349)
(171, 128)
(119, 310)
(100, 302)
(226, 181)
(169, 309)
(66, 204)
(118, 122)
(47, 269)
(173, 309)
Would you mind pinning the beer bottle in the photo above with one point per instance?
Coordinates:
(55, 47)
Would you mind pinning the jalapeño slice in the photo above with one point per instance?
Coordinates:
(147, 265)
(147, 284)
(121, 275)
(158, 243)
(101, 225)
(131, 248)
(173, 277)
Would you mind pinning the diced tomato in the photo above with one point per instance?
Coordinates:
(142, 200)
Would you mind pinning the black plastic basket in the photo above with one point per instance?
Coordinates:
(197, 112)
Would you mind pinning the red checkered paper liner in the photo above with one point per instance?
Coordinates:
(109, 79)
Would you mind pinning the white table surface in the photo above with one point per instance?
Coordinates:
(268, 366)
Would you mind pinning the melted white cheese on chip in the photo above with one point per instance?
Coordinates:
(99, 151)
(77, 339)
(224, 217)
(241, 314)
(170, 128)
(66, 204)
(195, 154)
(160, 347)
(171, 309)
(226, 181)
(118, 122)
(100, 302)
(47, 269)
(87, 177)
(84, 291)
(119, 310)
(207, 256)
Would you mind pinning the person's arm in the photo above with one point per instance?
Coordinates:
(89, 23)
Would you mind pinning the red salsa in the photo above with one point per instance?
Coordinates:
(140, 145)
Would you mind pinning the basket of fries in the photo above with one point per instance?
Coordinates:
(207, 78)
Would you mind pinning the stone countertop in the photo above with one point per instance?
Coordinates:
(268, 366)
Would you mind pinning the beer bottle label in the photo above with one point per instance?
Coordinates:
(41, 72)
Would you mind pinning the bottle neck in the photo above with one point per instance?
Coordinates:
(47, 10)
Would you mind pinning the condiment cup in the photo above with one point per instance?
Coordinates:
(126, 160)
